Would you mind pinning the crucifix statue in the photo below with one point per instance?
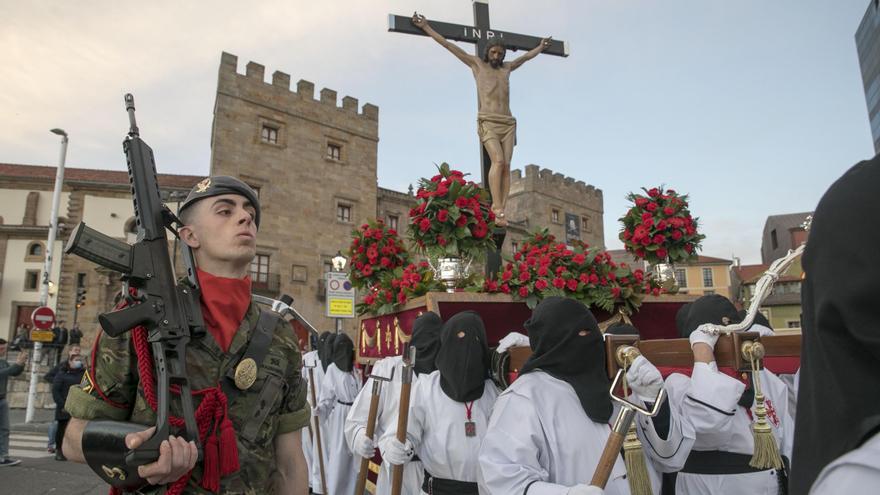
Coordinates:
(496, 126)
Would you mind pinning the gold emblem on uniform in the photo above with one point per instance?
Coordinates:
(245, 373)
(203, 185)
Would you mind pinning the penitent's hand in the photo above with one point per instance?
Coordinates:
(176, 457)
(419, 20)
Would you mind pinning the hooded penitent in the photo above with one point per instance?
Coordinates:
(343, 352)
(463, 359)
(567, 345)
(426, 340)
(622, 329)
(838, 406)
(325, 349)
(712, 308)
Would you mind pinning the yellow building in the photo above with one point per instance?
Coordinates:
(706, 275)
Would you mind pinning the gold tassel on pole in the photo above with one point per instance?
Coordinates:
(634, 456)
(766, 455)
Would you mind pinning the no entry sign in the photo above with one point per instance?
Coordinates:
(43, 318)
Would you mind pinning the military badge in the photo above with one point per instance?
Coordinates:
(203, 185)
(245, 373)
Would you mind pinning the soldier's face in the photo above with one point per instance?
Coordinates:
(222, 229)
(496, 56)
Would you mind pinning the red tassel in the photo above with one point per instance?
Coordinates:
(211, 474)
(114, 490)
(228, 448)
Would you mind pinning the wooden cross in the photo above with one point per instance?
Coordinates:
(479, 34)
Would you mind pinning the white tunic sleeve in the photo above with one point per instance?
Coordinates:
(356, 420)
(670, 453)
(510, 453)
(711, 399)
(327, 399)
(853, 472)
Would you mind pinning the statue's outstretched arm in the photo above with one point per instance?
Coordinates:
(422, 23)
(525, 57)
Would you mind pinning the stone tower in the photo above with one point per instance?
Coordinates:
(313, 164)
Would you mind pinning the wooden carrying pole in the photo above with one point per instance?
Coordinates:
(317, 429)
(403, 416)
(371, 429)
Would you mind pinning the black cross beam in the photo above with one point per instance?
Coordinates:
(479, 34)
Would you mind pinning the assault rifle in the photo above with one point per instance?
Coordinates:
(170, 312)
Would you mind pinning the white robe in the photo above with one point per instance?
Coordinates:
(389, 404)
(436, 429)
(854, 472)
(708, 401)
(310, 451)
(541, 438)
(341, 465)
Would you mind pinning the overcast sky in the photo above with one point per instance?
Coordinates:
(753, 107)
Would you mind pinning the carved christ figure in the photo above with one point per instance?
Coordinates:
(495, 125)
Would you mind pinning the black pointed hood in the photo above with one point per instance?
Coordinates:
(463, 359)
(712, 308)
(426, 340)
(837, 407)
(343, 352)
(325, 349)
(559, 349)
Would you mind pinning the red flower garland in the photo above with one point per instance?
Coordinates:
(659, 227)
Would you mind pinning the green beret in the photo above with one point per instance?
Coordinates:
(219, 185)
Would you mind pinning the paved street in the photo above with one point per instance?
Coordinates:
(39, 473)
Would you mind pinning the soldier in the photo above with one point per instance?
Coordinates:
(253, 428)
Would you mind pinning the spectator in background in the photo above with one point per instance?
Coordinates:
(69, 373)
(75, 334)
(75, 350)
(7, 370)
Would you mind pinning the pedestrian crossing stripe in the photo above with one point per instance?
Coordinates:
(28, 446)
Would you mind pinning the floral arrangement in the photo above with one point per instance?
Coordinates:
(452, 218)
(395, 287)
(375, 249)
(543, 267)
(659, 227)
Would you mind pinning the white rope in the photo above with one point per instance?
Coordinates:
(762, 290)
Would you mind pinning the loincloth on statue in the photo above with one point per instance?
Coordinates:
(496, 126)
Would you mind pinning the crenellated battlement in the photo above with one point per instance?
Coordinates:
(536, 178)
(304, 92)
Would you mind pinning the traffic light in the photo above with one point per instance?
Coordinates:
(80, 296)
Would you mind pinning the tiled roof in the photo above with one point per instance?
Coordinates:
(750, 274)
(92, 175)
(705, 260)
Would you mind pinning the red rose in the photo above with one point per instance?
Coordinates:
(594, 279)
(441, 240)
(648, 222)
(641, 202)
(640, 253)
(517, 256)
(424, 225)
(506, 275)
(480, 230)
(661, 225)
(652, 206)
(669, 211)
(662, 253)
(442, 189)
(524, 276)
(560, 270)
(542, 271)
(558, 282)
(401, 297)
(676, 235)
(423, 264)
(369, 299)
(654, 192)
(584, 278)
(615, 291)
(689, 248)
(572, 284)
(612, 276)
(388, 296)
(436, 178)
(655, 291)
(461, 202)
(385, 262)
(541, 284)
(367, 271)
(491, 286)
(523, 292)
(505, 288)
(579, 259)
(659, 239)
(461, 221)
(443, 215)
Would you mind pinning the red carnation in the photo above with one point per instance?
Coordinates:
(659, 239)
(584, 278)
(655, 291)
(689, 248)
(541, 284)
(461, 202)
(505, 288)
(441, 240)
(524, 276)
(480, 229)
(669, 211)
(523, 292)
(652, 206)
(424, 225)
(401, 297)
(542, 271)
(654, 192)
(572, 284)
(506, 275)
(558, 282)
(615, 291)
(641, 202)
(367, 271)
(676, 235)
(491, 286)
(443, 215)
(662, 253)
(579, 259)
(385, 262)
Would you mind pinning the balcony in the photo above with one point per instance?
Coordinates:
(266, 284)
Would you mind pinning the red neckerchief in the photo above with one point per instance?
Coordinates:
(225, 302)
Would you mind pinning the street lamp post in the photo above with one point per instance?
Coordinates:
(339, 262)
(47, 270)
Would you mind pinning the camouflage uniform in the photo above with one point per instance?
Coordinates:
(116, 376)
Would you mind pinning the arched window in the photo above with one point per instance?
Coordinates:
(34, 251)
